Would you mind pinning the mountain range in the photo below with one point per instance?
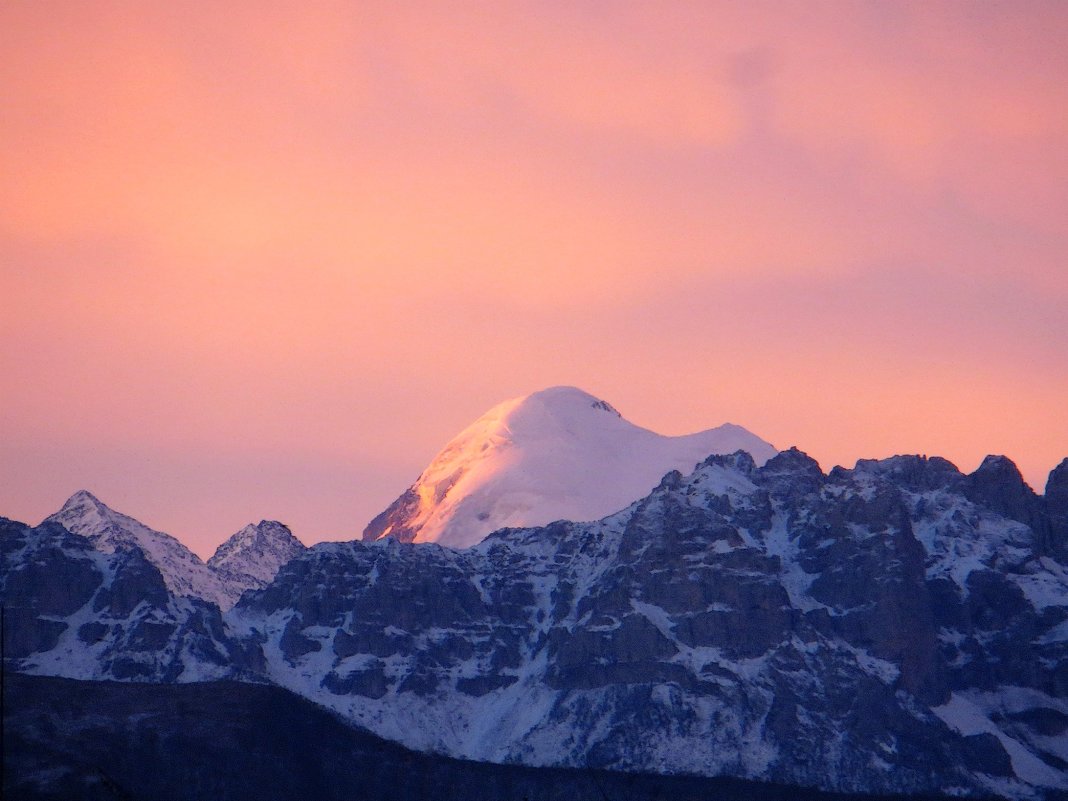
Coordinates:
(898, 627)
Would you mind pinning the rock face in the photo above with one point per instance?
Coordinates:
(1057, 508)
(896, 627)
(559, 454)
(73, 610)
(252, 556)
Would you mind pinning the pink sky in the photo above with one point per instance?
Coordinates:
(263, 260)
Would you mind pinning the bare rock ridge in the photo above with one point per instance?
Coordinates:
(558, 454)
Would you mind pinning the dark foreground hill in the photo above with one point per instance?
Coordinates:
(228, 741)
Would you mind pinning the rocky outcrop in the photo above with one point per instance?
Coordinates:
(1057, 508)
(395, 519)
(999, 486)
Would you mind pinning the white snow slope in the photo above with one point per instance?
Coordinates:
(558, 454)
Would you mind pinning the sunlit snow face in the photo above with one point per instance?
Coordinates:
(557, 454)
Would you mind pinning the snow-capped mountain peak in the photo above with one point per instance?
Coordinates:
(86, 515)
(252, 556)
(560, 453)
(183, 571)
(81, 499)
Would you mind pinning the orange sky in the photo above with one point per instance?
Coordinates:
(264, 259)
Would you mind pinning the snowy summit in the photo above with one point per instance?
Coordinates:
(254, 555)
(558, 454)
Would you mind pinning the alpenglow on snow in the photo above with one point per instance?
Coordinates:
(557, 454)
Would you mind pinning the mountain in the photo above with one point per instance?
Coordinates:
(249, 559)
(252, 556)
(183, 571)
(890, 628)
(558, 454)
(72, 609)
(898, 627)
